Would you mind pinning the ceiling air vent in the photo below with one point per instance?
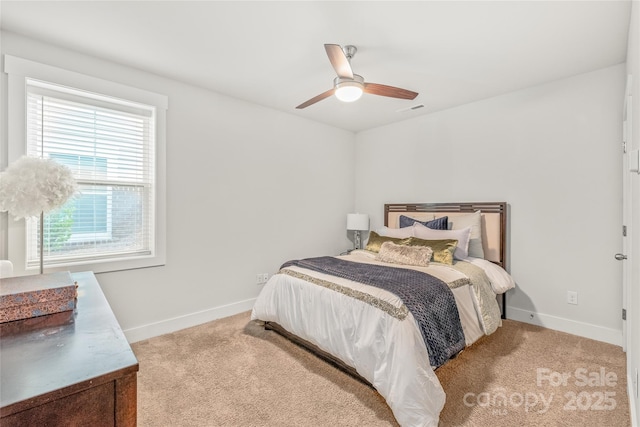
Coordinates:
(415, 107)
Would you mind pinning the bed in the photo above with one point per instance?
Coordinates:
(378, 332)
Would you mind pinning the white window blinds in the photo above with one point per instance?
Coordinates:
(109, 144)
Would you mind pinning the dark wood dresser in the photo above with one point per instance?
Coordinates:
(68, 369)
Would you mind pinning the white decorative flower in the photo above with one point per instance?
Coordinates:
(31, 185)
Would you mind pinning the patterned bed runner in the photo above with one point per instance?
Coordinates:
(428, 298)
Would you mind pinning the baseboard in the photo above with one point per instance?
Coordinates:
(587, 330)
(151, 330)
(632, 403)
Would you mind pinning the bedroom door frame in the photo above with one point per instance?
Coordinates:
(627, 127)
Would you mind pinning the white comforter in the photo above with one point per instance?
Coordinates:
(388, 352)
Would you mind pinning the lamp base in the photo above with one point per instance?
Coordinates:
(357, 242)
(41, 242)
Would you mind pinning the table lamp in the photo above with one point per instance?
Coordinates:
(357, 222)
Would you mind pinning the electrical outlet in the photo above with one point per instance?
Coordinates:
(262, 278)
(572, 297)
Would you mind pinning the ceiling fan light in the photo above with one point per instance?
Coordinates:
(346, 92)
(349, 90)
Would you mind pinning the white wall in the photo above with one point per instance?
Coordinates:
(633, 297)
(552, 152)
(247, 189)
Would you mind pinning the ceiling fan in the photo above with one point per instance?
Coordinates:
(348, 87)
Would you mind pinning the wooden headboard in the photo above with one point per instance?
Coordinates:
(494, 221)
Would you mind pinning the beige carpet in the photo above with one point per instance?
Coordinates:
(232, 372)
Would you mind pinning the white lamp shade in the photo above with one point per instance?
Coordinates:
(357, 221)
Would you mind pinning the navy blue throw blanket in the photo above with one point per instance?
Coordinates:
(428, 298)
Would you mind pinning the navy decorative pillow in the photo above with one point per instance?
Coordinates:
(441, 223)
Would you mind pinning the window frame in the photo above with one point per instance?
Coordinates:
(18, 71)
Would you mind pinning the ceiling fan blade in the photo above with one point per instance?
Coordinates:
(339, 61)
(390, 91)
(316, 99)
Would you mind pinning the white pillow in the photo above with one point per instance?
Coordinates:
(398, 233)
(474, 221)
(462, 236)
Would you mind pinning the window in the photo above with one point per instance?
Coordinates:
(86, 220)
(115, 148)
(90, 212)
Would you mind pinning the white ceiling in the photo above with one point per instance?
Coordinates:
(272, 54)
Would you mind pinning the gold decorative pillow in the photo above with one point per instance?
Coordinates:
(375, 241)
(403, 254)
(442, 249)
